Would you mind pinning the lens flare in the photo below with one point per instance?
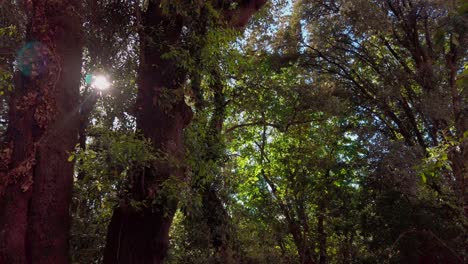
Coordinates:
(101, 82)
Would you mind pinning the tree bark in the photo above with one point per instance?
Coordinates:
(35, 176)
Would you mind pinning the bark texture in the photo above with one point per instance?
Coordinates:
(35, 176)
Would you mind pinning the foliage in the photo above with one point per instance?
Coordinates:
(102, 169)
(12, 25)
(328, 132)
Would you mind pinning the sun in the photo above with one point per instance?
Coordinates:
(101, 82)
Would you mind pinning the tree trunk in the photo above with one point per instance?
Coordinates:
(35, 176)
(322, 235)
(141, 235)
(305, 252)
(303, 249)
(214, 213)
(458, 155)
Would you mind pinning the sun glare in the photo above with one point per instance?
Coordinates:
(101, 82)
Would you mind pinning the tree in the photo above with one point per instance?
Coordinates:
(398, 62)
(105, 120)
(329, 132)
(297, 170)
(35, 175)
(141, 235)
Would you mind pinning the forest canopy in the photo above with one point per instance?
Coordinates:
(233, 131)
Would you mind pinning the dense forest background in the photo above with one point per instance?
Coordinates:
(308, 131)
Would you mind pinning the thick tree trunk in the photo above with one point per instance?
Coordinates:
(35, 176)
(142, 235)
(138, 236)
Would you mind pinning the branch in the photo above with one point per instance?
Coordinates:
(280, 127)
(259, 123)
